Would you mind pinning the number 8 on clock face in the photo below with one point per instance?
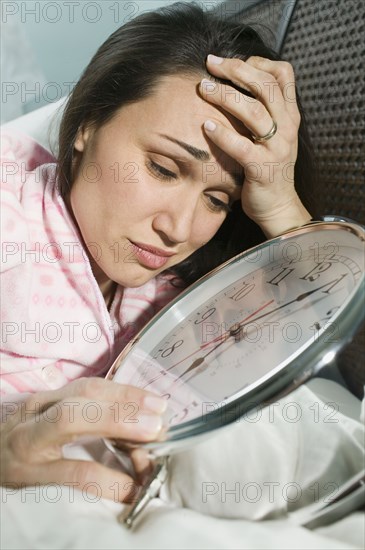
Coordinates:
(258, 325)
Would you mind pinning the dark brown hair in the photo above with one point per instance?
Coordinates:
(128, 67)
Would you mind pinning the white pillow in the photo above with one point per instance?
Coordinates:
(292, 453)
(42, 124)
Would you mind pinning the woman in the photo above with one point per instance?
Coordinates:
(176, 151)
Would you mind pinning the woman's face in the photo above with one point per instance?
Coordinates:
(150, 187)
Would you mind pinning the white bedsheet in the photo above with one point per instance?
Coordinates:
(307, 452)
(81, 525)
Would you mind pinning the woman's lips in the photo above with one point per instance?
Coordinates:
(150, 256)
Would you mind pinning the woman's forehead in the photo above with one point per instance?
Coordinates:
(176, 109)
(180, 97)
(176, 103)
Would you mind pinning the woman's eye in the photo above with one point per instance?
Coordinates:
(217, 205)
(160, 171)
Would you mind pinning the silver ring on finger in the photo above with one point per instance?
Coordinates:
(269, 135)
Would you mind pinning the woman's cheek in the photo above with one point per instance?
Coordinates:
(205, 231)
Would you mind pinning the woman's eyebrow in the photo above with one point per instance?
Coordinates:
(198, 154)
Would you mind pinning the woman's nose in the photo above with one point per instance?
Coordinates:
(175, 221)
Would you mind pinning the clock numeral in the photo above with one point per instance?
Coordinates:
(319, 324)
(331, 284)
(281, 275)
(330, 313)
(168, 351)
(241, 292)
(205, 316)
(331, 327)
(314, 273)
(317, 249)
(334, 283)
(332, 331)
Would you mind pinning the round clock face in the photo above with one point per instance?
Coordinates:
(259, 321)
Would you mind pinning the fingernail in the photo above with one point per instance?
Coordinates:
(215, 59)
(209, 126)
(155, 404)
(149, 423)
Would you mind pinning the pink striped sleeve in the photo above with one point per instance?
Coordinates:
(168, 287)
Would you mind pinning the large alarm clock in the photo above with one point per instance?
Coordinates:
(253, 329)
(256, 326)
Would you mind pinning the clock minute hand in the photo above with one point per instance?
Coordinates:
(297, 299)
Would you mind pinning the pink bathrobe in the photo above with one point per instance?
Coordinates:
(55, 326)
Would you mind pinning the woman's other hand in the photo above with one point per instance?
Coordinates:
(268, 195)
(33, 433)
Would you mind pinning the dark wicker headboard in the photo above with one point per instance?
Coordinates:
(324, 41)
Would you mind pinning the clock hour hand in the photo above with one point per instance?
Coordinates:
(192, 367)
(195, 364)
(232, 332)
